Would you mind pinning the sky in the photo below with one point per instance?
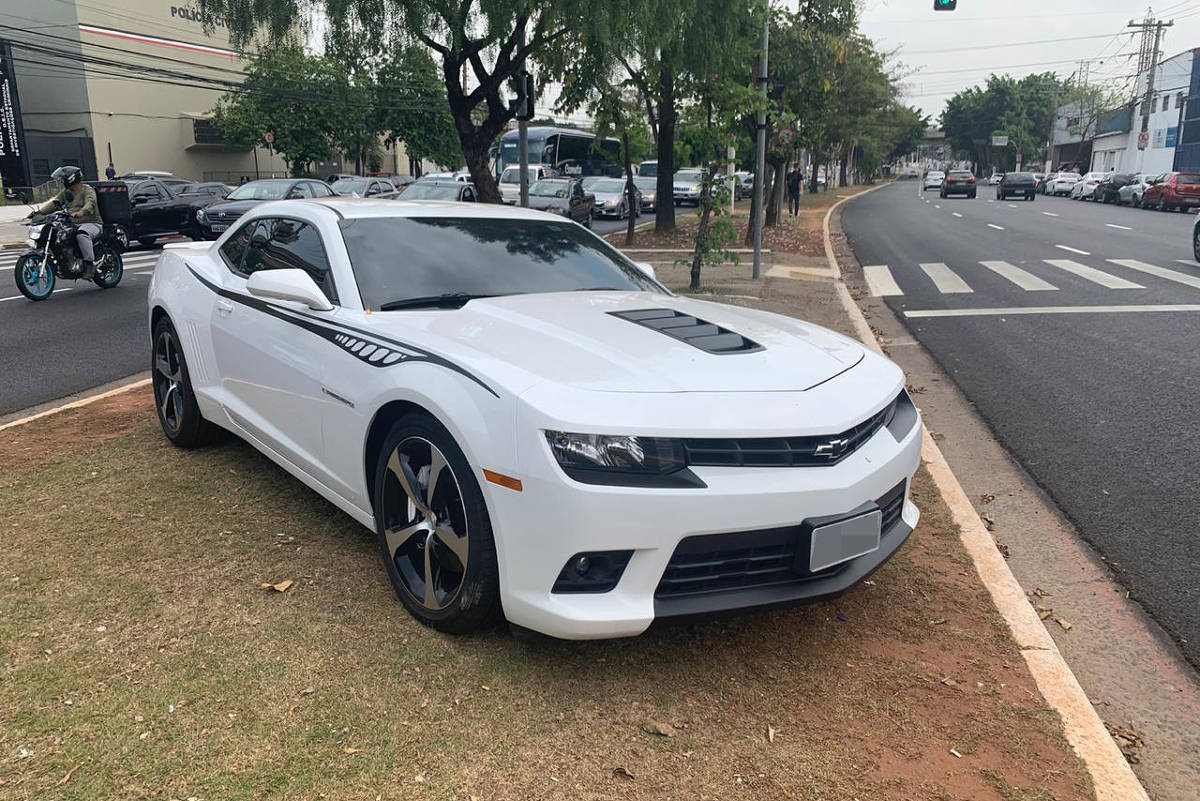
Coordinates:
(942, 52)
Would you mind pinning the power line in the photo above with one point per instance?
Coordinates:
(1006, 44)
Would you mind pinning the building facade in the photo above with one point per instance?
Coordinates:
(127, 82)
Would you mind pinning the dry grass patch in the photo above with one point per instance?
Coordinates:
(140, 659)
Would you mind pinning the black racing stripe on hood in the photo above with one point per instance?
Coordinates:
(362, 345)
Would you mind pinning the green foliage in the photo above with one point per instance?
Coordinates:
(412, 103)
(1021, 109)
(716, 231)
(298, 97)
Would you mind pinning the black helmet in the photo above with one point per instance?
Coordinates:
(69, 175)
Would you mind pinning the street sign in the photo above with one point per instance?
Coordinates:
(999, 141)
(269, 137)
(1143, 140)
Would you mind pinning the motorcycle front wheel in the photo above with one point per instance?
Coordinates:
(109, 267)
(34, 277)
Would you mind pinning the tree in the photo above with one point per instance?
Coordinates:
(480, 37)
(1021, 109)
(412, 104)
(298, 97)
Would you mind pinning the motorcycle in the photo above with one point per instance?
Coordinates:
(55, 255)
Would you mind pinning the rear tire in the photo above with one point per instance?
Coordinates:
(178, 413)
(441, 560)
(115, 270)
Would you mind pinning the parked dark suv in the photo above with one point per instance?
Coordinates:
(1109, 190)
(959, 182)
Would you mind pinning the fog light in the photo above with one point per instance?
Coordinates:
(594, 571)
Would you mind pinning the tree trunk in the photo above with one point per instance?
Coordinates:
(842, 167)
(630, 190)
(816, 164)
(748, 239)
(702, 230)
(664, 208)
(775, 167)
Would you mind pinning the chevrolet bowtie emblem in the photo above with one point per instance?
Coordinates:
(833, 449)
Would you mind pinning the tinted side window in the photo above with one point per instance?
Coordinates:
(297, 246)
(148, 191)
(320, 190)
(235, 248)
(256, 247)
(300, 190)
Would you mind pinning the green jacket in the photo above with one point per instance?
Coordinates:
(83, 200)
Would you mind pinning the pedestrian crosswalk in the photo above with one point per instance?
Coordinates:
(131, 261)
(1036, 276)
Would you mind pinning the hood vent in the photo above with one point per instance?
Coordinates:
(699, 333)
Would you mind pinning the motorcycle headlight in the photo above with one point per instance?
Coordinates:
(616, 453)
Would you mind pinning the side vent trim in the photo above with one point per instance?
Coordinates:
(691, 330)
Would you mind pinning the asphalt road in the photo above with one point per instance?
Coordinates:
(1028, 307)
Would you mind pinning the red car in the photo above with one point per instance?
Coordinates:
(1173, 190)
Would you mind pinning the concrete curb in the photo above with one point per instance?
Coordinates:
(1112, 778)
(141, 382)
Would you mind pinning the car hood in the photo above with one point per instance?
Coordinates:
(608, 197)
(573, 338)
(233, 208)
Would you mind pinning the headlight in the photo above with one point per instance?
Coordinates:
(695, 188)
(201, 217)
(616, 453)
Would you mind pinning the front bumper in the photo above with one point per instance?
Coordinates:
(555, 518)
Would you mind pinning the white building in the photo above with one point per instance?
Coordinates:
(1163, 115)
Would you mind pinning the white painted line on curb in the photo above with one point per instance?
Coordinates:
(1014, 311)
(1160, 272)
(1112, 777)
(142, 382)
(1092, 274)
(946, 280)
(997, 227)
(1119, 227)
(1073, 250)
(1022, 278)
(1049, 214)
(880, 282)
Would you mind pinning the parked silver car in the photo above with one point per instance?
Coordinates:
(1132, 192)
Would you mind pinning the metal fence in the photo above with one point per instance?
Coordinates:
(30, 194)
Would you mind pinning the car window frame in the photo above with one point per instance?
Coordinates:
(328, 287)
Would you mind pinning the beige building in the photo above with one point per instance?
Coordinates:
(127, 81)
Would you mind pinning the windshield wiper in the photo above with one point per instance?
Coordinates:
(448, 300)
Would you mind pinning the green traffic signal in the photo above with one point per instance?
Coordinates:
(945, 5)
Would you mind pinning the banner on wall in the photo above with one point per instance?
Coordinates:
(1172, 136)
(12, 135)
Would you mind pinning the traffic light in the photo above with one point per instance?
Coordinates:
(526, 93)
(945, 5)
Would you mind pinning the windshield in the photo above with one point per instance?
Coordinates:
(688, 176)
(590, 181)
(646, 184)
(609, 186)
(261, 190)
(549, 189)
(1068, 176)
(511, 175)
(401, 258)
(419, 191)
(1189, 179)
(344, 186)
(961, 174)
(649, 169)
(936, 174)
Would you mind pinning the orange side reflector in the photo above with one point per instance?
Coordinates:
(503, 480)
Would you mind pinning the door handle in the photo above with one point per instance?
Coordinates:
(224, 308)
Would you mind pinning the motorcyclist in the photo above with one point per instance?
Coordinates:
(80, 201)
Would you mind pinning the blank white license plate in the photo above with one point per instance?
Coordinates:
(839, 542)
(219, 228)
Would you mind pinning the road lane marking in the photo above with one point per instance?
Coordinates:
(1092, 274)
(945, 279)
(1012, 205)
(1024, 310)
(1049, 214)
(880, 282)
(1073, 250)
(997, 227)
(21, 297)
(1026, 280)
(936, 206)
(128, 261)
(991, 201)
(1160, 272)
(956, 214)
(1189, 262)
(1119, 227)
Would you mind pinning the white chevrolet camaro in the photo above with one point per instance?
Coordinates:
(531, 424)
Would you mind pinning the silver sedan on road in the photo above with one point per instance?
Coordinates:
(611, 200)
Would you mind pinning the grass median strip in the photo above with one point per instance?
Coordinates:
(143, 658)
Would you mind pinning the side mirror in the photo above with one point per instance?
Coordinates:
(647, 268)
(294, 285)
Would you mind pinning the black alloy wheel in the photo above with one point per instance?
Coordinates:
(433, 528)
(1196, 242)
(178, 412)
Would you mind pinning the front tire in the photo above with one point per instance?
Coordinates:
(433, 528)
(1196, 242)
(178, 413)
(34, 280)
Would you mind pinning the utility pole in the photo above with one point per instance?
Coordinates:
(1148, 63)
(760, 151)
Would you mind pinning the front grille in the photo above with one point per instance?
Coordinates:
(786, 451)
(711, 563)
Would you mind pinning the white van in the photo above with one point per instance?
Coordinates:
(510, 180)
